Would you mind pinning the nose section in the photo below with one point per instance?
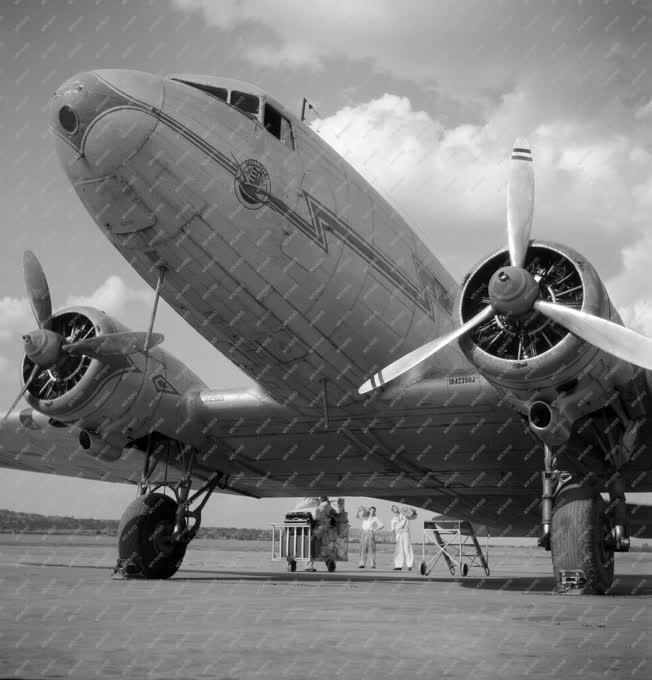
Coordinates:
(100, 119)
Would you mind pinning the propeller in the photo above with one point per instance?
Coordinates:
(47, 348)
(614, 339)
(520, 203)
(21, 394)
(113, 344)
(37, 288)
(514, 291)
(420, 354)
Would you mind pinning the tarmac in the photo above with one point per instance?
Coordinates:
(233, 613)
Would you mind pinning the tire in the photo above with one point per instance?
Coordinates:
(143, 537)
(579, 525)
(422, 568)
(292, 565)
(465, 569)
(330, 565)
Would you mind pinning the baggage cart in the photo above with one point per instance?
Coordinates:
(299, 541)
(292, 542)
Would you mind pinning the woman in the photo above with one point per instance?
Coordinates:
(403, 554)
(370, 525)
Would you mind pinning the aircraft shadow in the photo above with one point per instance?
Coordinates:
(623, 586)
(632, 585)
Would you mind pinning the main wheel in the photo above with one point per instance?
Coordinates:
(145, 537)
(330, 565)
(581, 562)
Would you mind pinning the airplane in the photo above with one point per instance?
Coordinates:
(516, 399)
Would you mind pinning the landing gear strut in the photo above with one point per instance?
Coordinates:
(156, 529)
(618, 539)
(551, 479)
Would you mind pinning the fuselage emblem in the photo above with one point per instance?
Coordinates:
(252, 184)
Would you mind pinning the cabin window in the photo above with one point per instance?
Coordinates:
(278, 125)
(217, 92)
(247, 103)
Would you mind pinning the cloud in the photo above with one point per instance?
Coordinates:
(577, 55)
(112, 297)
(593, 193)
(15, 317)
(631, 290)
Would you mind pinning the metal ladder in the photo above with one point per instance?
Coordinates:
(456, 542)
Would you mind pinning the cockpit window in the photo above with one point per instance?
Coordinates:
(218, 92)
(278, 125)
(247, 103)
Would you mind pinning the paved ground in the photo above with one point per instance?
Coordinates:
(233, 613)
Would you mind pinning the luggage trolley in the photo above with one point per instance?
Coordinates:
(292, 541)
(457, 543)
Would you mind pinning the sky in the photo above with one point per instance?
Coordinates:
(425, 99)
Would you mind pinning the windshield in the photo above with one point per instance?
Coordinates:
(247, 103)
(218, 92)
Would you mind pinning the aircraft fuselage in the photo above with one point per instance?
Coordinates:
(280, 254)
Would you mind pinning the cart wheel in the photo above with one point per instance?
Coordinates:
(486, 571)
(452, 569)
(422, 568)
(292, 565)
(330, 565)
(465, 569)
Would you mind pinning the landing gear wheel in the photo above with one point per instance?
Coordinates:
(422, 568)
(465, 569)
(330, 565)
(292, 565)
(145, 537)
(581, 562)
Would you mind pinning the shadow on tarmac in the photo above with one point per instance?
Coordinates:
(629, 586)
(623, 586)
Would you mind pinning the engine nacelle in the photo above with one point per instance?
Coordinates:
(533, 359)
(115, 400)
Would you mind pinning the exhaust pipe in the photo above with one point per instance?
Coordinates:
(97, 447)
(548, 424)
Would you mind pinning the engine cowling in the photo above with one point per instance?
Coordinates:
(113, 400)
(532, 360)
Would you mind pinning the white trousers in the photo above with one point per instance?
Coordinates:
(367, 547)
(403, 554)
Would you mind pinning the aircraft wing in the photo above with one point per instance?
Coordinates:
(473, 461)
(33, 442)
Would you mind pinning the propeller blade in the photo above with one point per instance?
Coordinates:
(418, 355)
(622, 342)
(37, 288)
(520, 203)
(32, 375)
(113, 344)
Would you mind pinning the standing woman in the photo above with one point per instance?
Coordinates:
(403, 554)
(370, 525)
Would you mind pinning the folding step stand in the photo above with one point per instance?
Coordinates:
(457, 543)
